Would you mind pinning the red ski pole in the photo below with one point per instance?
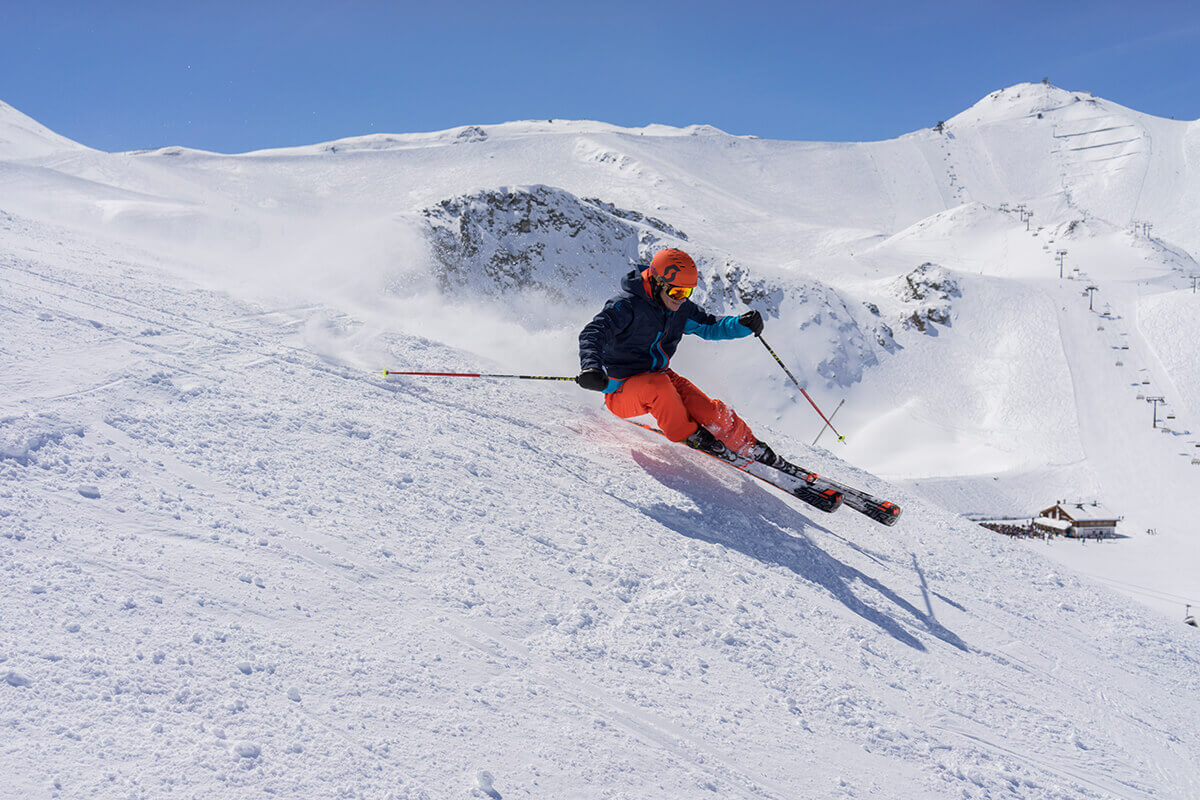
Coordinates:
(779, 361)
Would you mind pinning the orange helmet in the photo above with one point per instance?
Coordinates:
(673, 267)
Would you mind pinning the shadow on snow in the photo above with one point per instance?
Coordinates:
(762, 526)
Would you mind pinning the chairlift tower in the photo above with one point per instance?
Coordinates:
(1155, 401)
(1025, 215)
(1090, 291)
(1061, 255)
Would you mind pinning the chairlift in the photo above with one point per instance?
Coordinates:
(1189, 618)
(1170, 416)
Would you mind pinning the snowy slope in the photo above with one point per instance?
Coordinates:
(236, 560)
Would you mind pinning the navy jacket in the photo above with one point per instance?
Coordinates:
(635, 334)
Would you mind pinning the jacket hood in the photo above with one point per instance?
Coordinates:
(634, 283)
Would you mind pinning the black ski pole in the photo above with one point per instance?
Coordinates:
(388, 372)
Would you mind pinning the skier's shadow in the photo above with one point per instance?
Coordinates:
(764, 527)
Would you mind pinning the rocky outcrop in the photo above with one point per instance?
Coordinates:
(540, 238)
(926, 293)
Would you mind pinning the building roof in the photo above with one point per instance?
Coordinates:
(1087, 512)
(1051, 522)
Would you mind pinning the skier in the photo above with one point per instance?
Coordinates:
(625, 351)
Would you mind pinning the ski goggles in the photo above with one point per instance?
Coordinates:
(678, 292)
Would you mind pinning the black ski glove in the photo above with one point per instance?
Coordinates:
(752, 320)
(593, 379)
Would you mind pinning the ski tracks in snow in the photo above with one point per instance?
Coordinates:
(294, 577)
(125, 439)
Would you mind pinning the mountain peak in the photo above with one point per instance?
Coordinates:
(23, 137)
(1025, 100)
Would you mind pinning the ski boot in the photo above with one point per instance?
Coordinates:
(705, 442)
(763, 454)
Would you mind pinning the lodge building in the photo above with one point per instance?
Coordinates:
(1080, 520)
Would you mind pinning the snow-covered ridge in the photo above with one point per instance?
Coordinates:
(473, 134)
(22, 137)
(1027, 100)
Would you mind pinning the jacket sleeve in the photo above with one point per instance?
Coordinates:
(601, 331)
(706, 326)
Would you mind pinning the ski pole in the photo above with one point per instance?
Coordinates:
(779, 361)
(387, 372)
(831, 416)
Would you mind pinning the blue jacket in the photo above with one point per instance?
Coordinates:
(635, 334)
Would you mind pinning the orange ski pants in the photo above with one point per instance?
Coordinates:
(678, 407)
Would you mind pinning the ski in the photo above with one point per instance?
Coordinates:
(811, 489)
(882, 511)
(814, 489)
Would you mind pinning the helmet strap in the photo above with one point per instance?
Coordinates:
(657, 285)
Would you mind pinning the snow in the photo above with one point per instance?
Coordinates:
(238, 561)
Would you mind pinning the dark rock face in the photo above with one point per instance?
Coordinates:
(537, 237)
(927, 291)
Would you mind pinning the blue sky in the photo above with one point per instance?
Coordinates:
(233, 77)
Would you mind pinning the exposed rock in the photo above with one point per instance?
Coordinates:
(538, 237)
(731, 286)
(637, 216)
(471, 133)
(926, 292)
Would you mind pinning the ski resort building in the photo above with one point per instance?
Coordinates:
(1090, 520)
